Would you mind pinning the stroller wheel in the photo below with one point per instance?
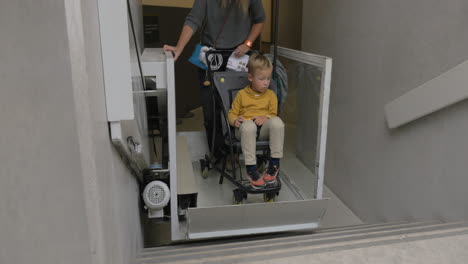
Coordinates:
(205, 173)
(269, 197)
(204, 168)
(260, 168)
(260, 164)
(235, 202)
(238, 197)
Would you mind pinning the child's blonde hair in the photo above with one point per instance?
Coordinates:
(243, 4)
(258, 61)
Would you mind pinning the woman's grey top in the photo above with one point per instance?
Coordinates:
(237, 26)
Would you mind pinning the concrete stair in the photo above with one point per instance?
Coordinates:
(265, 249)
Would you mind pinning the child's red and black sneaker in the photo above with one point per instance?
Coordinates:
(270, 175)
(256, 181)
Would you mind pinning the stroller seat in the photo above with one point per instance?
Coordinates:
(226, 84)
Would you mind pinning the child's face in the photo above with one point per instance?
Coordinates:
(260, 80)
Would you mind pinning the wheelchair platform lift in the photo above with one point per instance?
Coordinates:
(303, 212)
(302, 172)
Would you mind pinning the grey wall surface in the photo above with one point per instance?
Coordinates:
(65, 196)
(42, 207)
(382, 49)
(117, 189)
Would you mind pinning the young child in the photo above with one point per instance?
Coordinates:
(256, 107)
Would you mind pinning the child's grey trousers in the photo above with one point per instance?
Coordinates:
(272, 129)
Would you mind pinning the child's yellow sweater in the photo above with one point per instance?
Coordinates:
(249, 103)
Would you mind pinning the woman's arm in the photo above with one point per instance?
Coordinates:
(184, 38)
(193, 22)
(255, 31)
(257, 17)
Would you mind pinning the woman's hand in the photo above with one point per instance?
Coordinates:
(238, 121)
(259, 120)
(177, 51)
(241, 50)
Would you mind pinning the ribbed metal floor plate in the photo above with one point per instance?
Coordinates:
(257, 218)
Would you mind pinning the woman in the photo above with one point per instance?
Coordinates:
(228, 24)
(224, 24)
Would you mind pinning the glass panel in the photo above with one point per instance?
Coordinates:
(301, 116)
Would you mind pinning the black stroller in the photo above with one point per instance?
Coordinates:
(225, 85)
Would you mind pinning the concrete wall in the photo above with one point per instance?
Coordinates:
(382, 49)
(65, 196)
(117, 189)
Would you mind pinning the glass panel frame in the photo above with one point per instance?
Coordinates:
(325, 64)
